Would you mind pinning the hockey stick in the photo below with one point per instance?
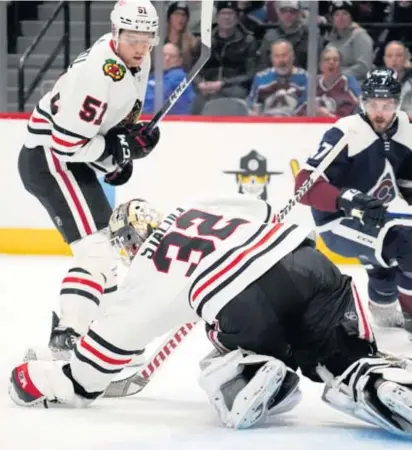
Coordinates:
(136, 382)
(206, 44)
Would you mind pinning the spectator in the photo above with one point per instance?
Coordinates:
(353, 42)
(230, 69)
(337, 95)
(291, 27)
(173, 75)
(252, 15)
(177, 33)
(396, 58)
(280, 90)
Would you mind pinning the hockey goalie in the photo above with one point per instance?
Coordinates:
(271, 304)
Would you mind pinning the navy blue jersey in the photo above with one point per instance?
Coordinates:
(370, 162)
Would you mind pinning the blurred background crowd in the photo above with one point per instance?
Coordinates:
(269, 58)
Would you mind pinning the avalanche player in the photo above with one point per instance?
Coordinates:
(373, 170)
(84, 127)
(271, 303)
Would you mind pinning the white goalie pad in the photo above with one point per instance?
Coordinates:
(376, 390)
(240, 385)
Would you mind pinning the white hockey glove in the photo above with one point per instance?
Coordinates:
(376, 390)
(44, 383)
(243, 386)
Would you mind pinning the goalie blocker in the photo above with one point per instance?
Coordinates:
(260, 287)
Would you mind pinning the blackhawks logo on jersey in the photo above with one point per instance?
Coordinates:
(114, 70)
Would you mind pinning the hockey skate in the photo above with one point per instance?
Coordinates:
(386, 315)
(61, 343)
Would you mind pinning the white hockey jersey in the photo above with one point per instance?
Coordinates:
(199, 259)
(95, 94)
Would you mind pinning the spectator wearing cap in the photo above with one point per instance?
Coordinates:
(353, 42)
(280, 90)
(337, 95)
(173, 75)
(178, 34)
(232, 64)
(291, 27)
(396, 57)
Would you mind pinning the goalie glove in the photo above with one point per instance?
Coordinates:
(376, 390)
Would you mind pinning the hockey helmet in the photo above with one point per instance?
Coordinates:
(130, 225)
(134, 16)
(381, 83)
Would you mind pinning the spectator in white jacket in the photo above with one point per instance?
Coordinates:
(353, 42)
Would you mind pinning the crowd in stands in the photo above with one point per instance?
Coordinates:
(260, 53)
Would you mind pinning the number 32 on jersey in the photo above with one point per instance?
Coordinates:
(194, 236)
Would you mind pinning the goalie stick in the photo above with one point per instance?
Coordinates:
(136, 382)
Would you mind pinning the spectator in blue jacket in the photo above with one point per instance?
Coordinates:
(172, 77)
(281, 89)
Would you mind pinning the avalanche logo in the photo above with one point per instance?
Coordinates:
(114, 70)
(386, 191)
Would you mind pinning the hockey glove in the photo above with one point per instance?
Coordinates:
(146, 141)
(121, 175)
(130, 143)
(369, 210)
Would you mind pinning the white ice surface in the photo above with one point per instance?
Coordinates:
(172, 412)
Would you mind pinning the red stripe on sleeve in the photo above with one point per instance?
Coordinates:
(106, 359)
(89, 283)
(64, 143)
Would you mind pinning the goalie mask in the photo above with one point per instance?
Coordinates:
(130, 225)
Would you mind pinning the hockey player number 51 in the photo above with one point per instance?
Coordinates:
(191, 249)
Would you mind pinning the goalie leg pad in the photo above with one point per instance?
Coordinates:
(376, 390)
(240, 386)
(288, 396)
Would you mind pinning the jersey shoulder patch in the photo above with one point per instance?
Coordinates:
(104, 61)
(114, 69)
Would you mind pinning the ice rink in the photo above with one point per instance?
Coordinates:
(172, 412)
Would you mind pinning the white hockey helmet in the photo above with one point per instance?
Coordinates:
(134, 16)
(130, 225)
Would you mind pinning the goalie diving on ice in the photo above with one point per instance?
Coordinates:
(271, 303)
